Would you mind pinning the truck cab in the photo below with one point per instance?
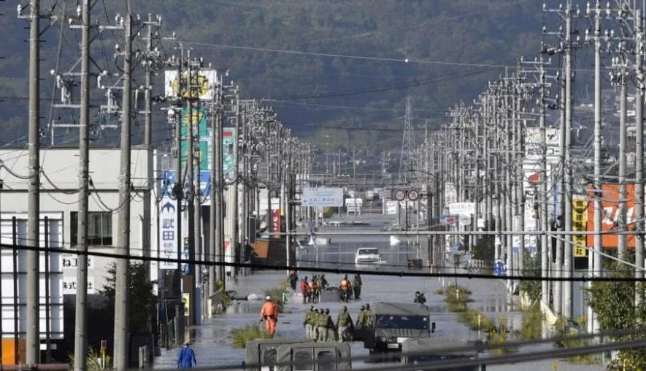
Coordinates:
(423, 351)
(393, 323)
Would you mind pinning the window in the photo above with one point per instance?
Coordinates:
(402, 322)
(325, 360)
(303, 360)
(99, 228)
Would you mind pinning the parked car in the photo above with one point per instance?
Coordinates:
(367, 255)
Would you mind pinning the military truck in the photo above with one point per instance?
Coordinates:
(296, 354)
(392, 323)
(422, 351)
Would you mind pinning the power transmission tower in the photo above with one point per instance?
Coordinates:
(408, 144)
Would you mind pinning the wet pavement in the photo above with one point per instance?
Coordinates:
(212, 341)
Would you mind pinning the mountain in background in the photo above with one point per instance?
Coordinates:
(334, 70)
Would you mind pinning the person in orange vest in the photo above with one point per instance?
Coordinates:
(345, 288)
(269, 314)
(304, 288)
(313, 289)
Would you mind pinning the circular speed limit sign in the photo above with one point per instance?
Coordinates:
(413, 195)
(399, 195)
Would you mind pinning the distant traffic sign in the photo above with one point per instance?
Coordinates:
(399, 194)
(413, 195)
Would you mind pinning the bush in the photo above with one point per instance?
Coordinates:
(277, 294)
(457, 298)
(532, 324)
(241, 336)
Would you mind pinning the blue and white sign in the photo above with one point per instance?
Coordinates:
(168, 232)
(205, 183)
(322, 197)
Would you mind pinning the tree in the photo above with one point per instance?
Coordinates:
(614, 304)
(532, 264)
(142, 300)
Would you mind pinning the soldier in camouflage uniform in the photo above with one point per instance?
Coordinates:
(322, 322)
(344, 325)
(308, 323)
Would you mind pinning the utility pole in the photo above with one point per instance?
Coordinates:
(595, 268)
(639, 155)
(567, 259)
(122, 248)
(80, 339)
(190, 176)
(33, 202)
(150, 64)
(620, 79)
(178, 192)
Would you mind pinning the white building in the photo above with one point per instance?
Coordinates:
(59, 202)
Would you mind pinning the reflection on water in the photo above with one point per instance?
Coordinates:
(244, 306)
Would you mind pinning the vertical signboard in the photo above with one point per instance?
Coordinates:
(276, 220)
(610, 215)
(229, 152)
(168, 232)
(579, 224)
(200, 126)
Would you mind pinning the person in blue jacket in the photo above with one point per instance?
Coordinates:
(186, 357)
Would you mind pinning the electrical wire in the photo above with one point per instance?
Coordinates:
(322, 269)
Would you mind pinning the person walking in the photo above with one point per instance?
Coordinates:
(312, 289)
(324, 283)
(331, 327)
(269, 314)
(344, 287)
(307, 323)
(360, 323)
(322, 326)
(369, 318)
(357, 286)
(344, 325)
(293, 279)
(304, 289)
(186, 357)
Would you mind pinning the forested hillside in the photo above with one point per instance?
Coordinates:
(320, 63)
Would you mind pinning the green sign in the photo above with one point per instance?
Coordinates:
(229, 151)
(200, 122)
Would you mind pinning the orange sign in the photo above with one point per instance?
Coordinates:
(610, 215)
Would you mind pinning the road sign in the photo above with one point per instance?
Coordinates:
(465, 219)
(413, 195)
(399, 194)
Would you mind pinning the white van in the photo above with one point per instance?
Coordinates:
(367, 255)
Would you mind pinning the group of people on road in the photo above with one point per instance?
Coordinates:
(320, 326)
(347, 288)
(311, 290)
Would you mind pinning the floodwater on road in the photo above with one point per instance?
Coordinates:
(212, 340)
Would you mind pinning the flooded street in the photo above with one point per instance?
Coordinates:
(212, 340)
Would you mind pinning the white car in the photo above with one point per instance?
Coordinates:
(367, 255)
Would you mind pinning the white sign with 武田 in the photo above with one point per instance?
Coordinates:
(168, 233)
